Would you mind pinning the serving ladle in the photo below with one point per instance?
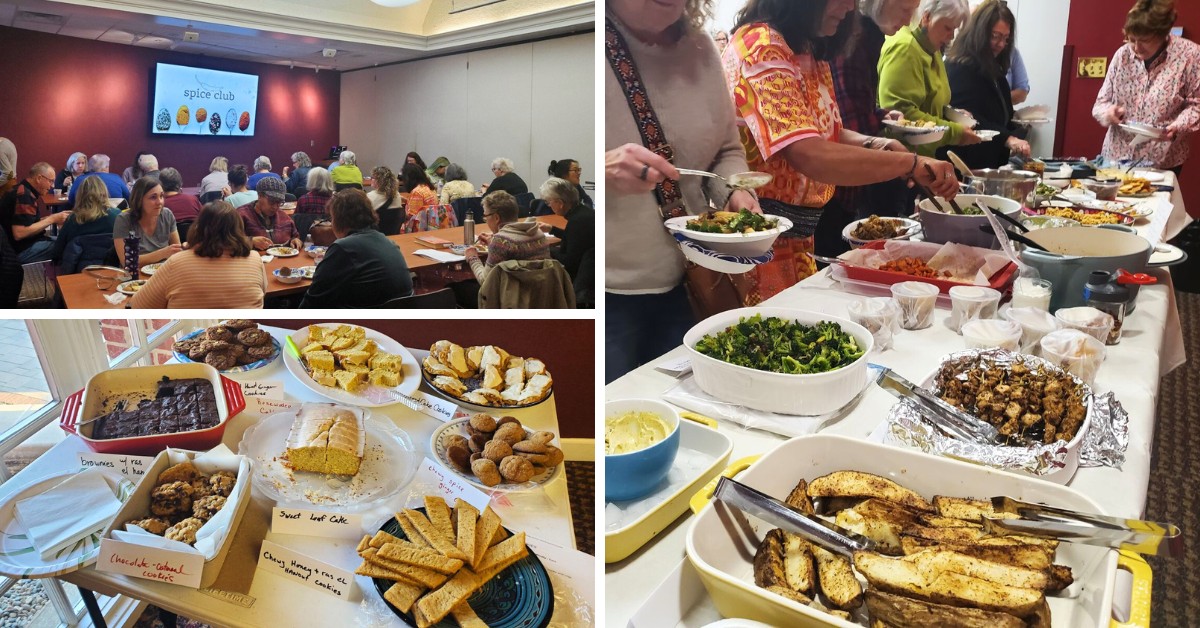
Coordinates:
(739, 181)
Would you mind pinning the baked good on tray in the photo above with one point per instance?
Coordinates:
(501, 450)
(486, 375)
(326, 439)
(179, 405)
(228, 344)
(343, 357)
(184, 499)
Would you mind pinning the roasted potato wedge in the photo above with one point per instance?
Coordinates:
(859, 484)
(898, 610)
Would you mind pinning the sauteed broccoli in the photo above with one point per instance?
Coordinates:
(743, 221)
(782, 346)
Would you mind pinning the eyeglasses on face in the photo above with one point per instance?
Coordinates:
(998, 38)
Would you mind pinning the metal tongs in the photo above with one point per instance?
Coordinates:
(752, 502)
(1141, 537)
(949, 419)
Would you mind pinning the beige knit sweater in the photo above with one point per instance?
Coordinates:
(688, 92)
(189, 281)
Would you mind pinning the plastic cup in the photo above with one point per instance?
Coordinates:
(991, 333)
(1075, 351)
(1029, 292)
(881, 317)
(1035, 323)
(1088, 320)
(917, 300)
(968, 303)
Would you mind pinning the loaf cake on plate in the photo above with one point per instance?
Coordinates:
(326, 438)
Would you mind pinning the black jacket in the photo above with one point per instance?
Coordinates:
(990, 101)
(509, 182)
(363, 269)
(577, 239)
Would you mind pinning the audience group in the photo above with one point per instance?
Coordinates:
(214, 239)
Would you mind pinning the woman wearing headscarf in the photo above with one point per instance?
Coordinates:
(777, 67)
(437, 171)
(977, 67)
(912, 76)
(1153, 79)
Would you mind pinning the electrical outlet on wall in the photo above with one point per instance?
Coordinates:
(1093, 67)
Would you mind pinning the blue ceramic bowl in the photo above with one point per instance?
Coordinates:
(637, 473)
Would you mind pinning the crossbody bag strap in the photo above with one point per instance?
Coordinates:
(667, 193)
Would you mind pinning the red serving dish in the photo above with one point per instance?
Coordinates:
(998, 281)
(104, 390)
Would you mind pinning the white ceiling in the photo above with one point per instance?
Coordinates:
(278, 47)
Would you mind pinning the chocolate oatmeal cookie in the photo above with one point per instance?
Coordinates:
(220, 360)
(253, 337)
(219, 333)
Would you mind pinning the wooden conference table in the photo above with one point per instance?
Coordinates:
(81, 291)
(271, 600)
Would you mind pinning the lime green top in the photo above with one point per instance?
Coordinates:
(346, 174)
(912, 80)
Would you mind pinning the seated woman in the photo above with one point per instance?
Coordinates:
(570, 170)
(76, 165)
(508, 239)
(91, 216)
(456, 185)
(977, 68)
(149, 219)
(320, 190)
(217, 178)
(362, 268)
(237, 194)
(437, 170)
(219, 270)
(134, 172)
(185, 206)
(386, 199)
(506, 180)
(420, 190)
(263, 220)
(580, 235)
(346, 172)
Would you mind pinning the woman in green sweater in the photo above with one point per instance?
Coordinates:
(912, 77)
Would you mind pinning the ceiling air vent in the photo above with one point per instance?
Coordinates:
(39, 18)
(458, 6)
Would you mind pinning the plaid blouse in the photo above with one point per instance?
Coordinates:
(313, 202)
(856, 81)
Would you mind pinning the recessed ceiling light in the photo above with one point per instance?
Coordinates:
(394, 3)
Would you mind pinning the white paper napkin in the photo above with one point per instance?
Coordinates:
(77, 507)
(687, 394)
(115, 298)
(439, 256)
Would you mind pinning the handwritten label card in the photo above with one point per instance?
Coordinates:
(442, 481)
(432, 405)
(257, 391)
(151, 563)
(267, 407)
(317, 574)
(316, 523)
(132, 467)
(676, 367)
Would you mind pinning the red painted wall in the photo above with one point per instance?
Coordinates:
(568, 347)
(64, 94)
(1094, 29)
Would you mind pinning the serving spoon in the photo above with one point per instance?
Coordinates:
(739, 181)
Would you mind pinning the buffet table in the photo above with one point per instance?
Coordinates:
(1152, 346)
(80, 290)
(273, 600)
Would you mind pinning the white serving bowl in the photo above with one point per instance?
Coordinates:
(913, 226)
(740, 244)
(785, 393)
(296, 277)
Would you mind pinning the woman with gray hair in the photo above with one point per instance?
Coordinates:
(262, 170)
(320, 190)
(186, 207)
(580, 235)
(456, 185)
(76, 165)
(297, 180)
(912, 76)
(346, 173)
(506, 179)
(217, 178)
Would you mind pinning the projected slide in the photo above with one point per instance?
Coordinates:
(198, 101)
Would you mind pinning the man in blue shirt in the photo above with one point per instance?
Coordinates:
(1018, 79)
(98, 167)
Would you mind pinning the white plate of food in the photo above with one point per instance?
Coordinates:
(486, 376)
(288, 206)
(1145, 130)
(866, 230)
(291, 275)
(313, 250)
(440, 443)
(986, 135)
(150, 269)
(283, 251)
(131, 287)
(733, 233)
(1153, 176)
(915, 133)
(389, 463)
(364, 394)
(20, 559)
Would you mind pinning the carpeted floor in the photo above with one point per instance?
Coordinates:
(1175, 479)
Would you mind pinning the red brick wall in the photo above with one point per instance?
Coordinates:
(118, 338)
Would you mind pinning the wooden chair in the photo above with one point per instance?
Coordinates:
(436, 300)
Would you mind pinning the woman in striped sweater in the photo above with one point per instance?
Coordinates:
(508, 239)
(219, 270)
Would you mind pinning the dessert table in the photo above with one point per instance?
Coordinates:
(80, 290)
(544, 514)
(1151, 346)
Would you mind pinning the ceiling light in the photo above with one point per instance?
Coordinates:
(394, 3)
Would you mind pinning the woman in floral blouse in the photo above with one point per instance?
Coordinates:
(1153, 79)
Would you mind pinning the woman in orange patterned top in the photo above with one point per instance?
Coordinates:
(420, 190)
(777, 68)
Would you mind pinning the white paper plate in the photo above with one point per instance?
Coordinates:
(916, 136)
(389, 463)
(150, 269)
(913, 226)
(987, 136)
(374, 396)
(437, 444)
(1153, 176)
(679, 225)
(131, 287)
(18, 557)
(283, 251)
(1145, 130)
(1166, 254)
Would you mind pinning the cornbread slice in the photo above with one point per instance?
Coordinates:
(316, 333)
(439, 542)
(434, 606)
(325, 439)
(403, 595)
(439, 515)
(350, 381)
(485, 529)
(324, 378)
(466, 516)
(386, 361)
(312, 346)
(410, 554)
(353, 357)
(466, 617)
(361, 369)
(322, 360)
(381, 377)
(341, 343)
